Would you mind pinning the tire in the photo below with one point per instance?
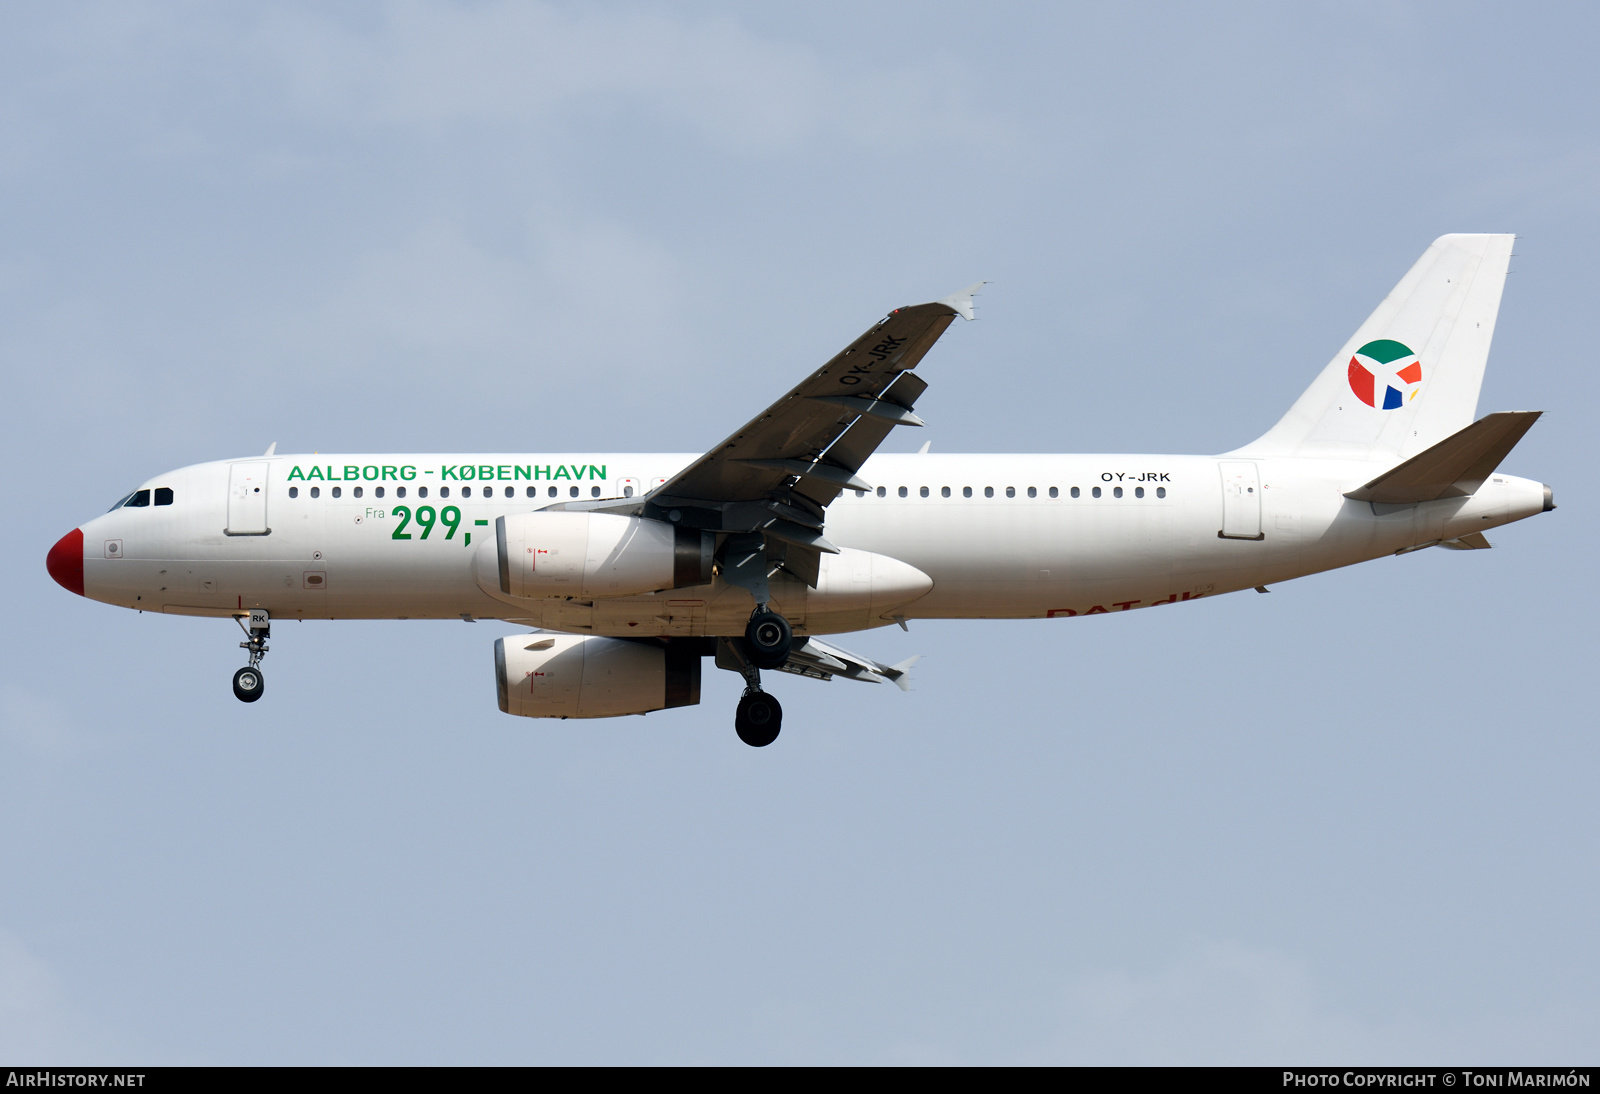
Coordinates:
(767, 639)
(758, 719)
(248, 684)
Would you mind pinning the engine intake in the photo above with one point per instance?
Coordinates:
(586, 676)
(591, 555)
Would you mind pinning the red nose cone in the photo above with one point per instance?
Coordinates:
(65, 561)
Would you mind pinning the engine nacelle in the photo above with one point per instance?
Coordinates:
(585, 676)
(590, 555)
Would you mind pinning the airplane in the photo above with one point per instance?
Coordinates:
(628, 570)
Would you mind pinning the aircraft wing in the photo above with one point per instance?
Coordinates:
(818, 435)
(776, 475)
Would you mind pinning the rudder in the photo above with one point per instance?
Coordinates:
(1409, 377)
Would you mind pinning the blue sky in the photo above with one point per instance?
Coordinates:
(1353, 820)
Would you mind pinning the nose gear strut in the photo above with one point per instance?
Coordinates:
(248, 682)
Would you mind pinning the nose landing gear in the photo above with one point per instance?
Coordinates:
(248, 683)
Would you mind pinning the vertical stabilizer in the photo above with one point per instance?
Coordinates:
(1409, 377)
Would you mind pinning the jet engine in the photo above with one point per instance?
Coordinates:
(585, 676)
(590, 555)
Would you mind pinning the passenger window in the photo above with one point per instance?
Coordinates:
(1138, 491)
(294, 491)
(399, 491)
(533, 491)
(1054, 493)
(163, 495)
(574, 491)
(1032, 493)
(357, 491)
(316, 491)
(883, 491)
(1096, 491)
(944, 491)
(466, 491)
(422, 491)
(552, 491)
(966, 491)
(511, 491)
(627, 492)
(923, 492)
(1075, 492)
(902, 491)
(377, 491)
(988, 491)
(140, 499)
(861, 493)
(337, 491)
(1116, 491)
(1011, 491)
(1161, 491)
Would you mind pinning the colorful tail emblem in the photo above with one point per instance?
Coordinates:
(1387, 365)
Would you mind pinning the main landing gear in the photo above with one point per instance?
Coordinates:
(248, 683)
(767, 638)
(758, 718)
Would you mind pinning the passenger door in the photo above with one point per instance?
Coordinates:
(247, 499)
(1241, 501)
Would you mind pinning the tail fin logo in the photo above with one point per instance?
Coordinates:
(1385, 374)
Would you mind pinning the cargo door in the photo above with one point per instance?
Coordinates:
(247, 499)
(1241, 501)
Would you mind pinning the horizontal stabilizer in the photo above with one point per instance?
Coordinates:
(1453, 468)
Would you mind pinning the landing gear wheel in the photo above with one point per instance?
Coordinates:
(248, 684)
(766, 640)
(758, 719)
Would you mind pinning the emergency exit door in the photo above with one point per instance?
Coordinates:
(247, 499)
(1241, 501)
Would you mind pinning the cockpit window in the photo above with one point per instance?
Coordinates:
(138, 499)
(120, 503)
(163, 495)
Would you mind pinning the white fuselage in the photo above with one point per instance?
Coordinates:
(997, 536)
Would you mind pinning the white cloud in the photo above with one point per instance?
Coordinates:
(35, 1023)
(1220, 1003)
(1224, 1003)
(38, 726)
(563, 297)
(433, 65)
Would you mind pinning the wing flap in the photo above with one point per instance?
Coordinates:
(823, 660)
